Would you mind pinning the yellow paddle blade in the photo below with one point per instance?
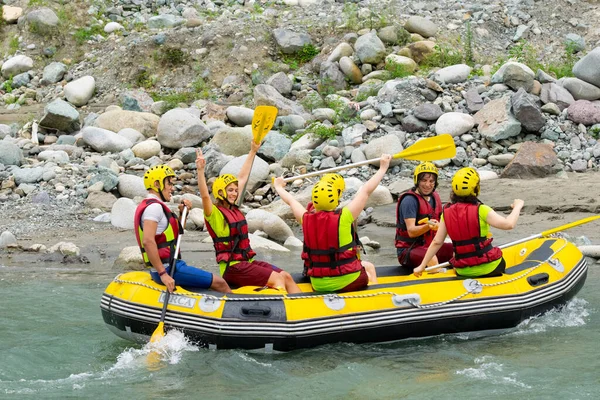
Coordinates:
(434, 148)
(570, 225)
(262, 122)
(159, 333)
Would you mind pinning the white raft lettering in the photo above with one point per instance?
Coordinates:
(177, 300)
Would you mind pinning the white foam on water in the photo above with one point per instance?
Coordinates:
(493, 372)
(574, 313)
(170, 350)
(246, 357)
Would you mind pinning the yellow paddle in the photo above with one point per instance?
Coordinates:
(159, 332)
(262, 122)
(536, 236)
(428, 149)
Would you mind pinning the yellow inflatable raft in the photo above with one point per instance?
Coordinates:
(541, 274)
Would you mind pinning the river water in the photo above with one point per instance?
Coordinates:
(54, 345)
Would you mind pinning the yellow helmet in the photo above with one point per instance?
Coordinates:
(221, 183)
(427, 167)
(325, 196)
(465, 182)
(337, 180)
(157, 173)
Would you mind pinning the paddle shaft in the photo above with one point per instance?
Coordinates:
(536, 236)
(172, 272)
(334, 169)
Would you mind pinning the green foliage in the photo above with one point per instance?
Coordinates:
(302, 56)
(199, 90)
(323, 131)
(468, 44)
(444, 55)
(312, 101)
(595, 132)
(365, 94)
(350, 17)
(8, 85)
(171, 55)
(35, 3)
(82, 35)
(398, 70)
(144, 79)
(13, 44)
(525, 53)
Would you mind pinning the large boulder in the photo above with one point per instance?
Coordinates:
(290, 41)
(116, 120)
(533, 160)
(80, 91)
(103, 140)
(527, 110)
(61, 116)
(587, 69)
(369, 48)
(10, 154)
(258, 174)
(267, 95)
(269, 223)
(178, 128)
(15, 65)
(42, 21)
(495, 122)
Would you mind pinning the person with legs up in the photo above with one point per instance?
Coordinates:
(156, 230)
(229, 230)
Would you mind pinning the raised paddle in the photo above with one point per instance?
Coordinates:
(159, 332)
(434, 148)
(262, 122)
(536, 236)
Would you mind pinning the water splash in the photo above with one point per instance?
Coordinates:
(487, 369)
(170, 350)
(574, 313)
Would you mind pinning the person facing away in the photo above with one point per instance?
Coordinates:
(156, 230)
(466, 220)
(417, 219)
(228, 228)
(330, 253)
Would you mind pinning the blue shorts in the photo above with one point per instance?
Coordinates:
(186, 275)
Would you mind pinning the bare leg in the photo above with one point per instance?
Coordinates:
(280, 281)
(290, 285)
(371, 273)
(220, 285)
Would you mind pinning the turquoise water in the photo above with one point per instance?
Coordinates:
(54, 345)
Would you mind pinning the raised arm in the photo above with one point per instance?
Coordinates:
(297, 209)
(506, 223)
(244, 174)
(207, 204)
(360, 199)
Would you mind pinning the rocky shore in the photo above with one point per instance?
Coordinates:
(125, 85)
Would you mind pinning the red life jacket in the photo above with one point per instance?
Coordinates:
(236, 246)
(403, 240)
(322, 254)
(470, 248)
(165, 241)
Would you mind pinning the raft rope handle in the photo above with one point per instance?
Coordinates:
(334, 295)
(527, 272)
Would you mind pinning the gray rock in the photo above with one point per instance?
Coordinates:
(453, 74)
(342, 50)
(422, 26)
(58, 157)
(587, 69)
(412, 124)
(428, 112)
(281, 82)
(516, 77)
(388, 144)
(7, 239)
(165, 21)
(116, 120)
(102, 201)
(15, 65)
(61, 116)
(10, 154)
(574, 42)
(80, 91)
(370, 49)
(289, 41)
(533, 160)
(103, 140)
(553, 93)
(331, 77)
(53, 72)
(178, 128)
(131, 186)
(454, 123)
(27, 175)
(498, 77)
(581, 90)
(271, 224)
(42, 21)
(132, 135)
(527, 111)
(108, 178)
(269, 96)
(474, 100)
(275, 146)
(21, 80)
(240, 116)
(122, 212)
(495, 121)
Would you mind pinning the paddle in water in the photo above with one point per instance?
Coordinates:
(159, 332)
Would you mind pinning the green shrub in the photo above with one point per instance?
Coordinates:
(398, 70)
(171, 55)
(323, 131)
(13, 44)
(444, 55)
(304, 55)
(82, 35)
